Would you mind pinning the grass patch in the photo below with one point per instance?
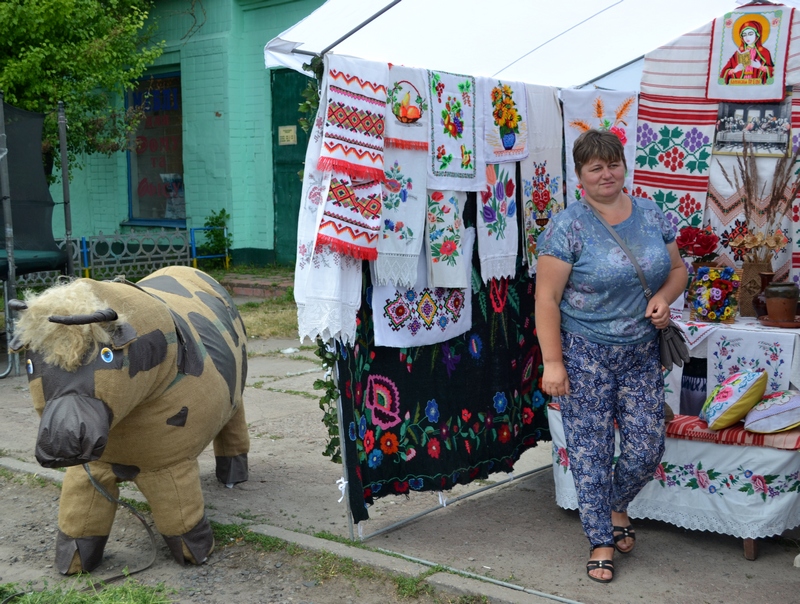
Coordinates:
(140, 506)
(272, 318)
(84, 592)
(308, 395)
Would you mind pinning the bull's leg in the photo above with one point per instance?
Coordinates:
(175, 496)
(230, 449)
(84, 518)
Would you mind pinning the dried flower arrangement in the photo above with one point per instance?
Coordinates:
(762, 241)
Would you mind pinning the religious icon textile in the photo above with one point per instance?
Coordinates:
(430, 417)
(749, 52)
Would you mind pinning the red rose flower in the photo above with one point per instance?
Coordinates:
(437, 196)
(448, 247)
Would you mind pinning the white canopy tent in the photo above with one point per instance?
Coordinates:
(565, 44)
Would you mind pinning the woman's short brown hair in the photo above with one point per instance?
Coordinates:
(597, 144)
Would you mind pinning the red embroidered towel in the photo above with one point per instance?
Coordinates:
(351, 218)
(354, 119)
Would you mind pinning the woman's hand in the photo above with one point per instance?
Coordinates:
(658, 312)
(554, 379)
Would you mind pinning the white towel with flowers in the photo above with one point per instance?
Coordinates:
(505, 120)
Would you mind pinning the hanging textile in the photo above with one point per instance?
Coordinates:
(673, 155)
(423, 315)
(505, 120)
(404, 203)
(327, 284)
(498, 230)
(407, 109)
(541, 172)
(793, 231)
(749, 50)
(354, 118)
(456, 141)
(444, 234)
(351, 217)
(610, 110)
(430, 417)
(734, 350)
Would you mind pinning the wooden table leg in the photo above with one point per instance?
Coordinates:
(750, 549)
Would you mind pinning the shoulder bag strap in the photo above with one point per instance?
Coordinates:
(647, 292)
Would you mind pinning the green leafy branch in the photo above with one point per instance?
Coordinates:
(328, 401)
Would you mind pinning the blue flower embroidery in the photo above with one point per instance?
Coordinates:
(475, 346)
(500, 402)
(375, 458)
(362, 426)
(351, 432)
(432, 411)
(415, 483)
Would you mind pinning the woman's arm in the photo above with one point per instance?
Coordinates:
(658, 306)
(551, 278)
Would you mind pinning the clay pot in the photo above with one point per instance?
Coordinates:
(760, 299)
(782, 301)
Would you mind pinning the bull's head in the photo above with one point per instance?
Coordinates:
(75, 422)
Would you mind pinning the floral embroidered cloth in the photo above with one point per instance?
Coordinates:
(422, 315)
(430, 417)
(733, 350)
(505, 120)
(351, 217)
(327, 284)
(498, 230)
(444, 233)
(355, 102)
(747, 492)
(749, 50)
(603, 110)
(407, 108)
(541, 172)
(456, 142)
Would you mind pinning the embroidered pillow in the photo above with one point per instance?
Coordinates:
(732, 399)
(775, 412)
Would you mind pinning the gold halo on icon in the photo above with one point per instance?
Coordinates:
(760, 19)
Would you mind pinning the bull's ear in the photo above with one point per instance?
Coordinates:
(124, 334)
(16, 344)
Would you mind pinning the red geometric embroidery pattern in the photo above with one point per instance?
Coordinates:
(355, 120)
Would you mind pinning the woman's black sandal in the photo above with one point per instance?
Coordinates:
(626, 532)
(592, 565)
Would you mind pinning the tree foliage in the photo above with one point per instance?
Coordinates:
(86, 53)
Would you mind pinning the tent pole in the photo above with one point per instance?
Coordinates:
(357, 27)
(10, 284)
(62, 139)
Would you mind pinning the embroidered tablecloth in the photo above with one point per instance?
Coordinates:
(744, 491)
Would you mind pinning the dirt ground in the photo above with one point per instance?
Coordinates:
(514, 533)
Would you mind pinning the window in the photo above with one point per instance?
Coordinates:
(156, 164)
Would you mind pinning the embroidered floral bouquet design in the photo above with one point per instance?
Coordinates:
(444, 228)
(713, 294)
(699, 245)
(505, 114)
(498, 201)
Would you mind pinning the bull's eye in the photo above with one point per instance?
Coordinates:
(107, 355)
(29, 363)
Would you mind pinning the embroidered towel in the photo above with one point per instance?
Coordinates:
(603, 110)
(407, 108)
(422, 315)
(444, 233)
(402, 218)
(354, 119)
(456, 157)
(505, 120)
(749, 51)
(351, 217)
(498, 230)
(733, 350)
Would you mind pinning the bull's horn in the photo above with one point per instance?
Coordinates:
(17, 305)
(109, 314)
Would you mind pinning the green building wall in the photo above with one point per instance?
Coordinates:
(227, 137)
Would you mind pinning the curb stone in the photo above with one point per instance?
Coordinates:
(441, 581)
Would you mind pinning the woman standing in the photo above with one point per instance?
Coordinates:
(598, 334)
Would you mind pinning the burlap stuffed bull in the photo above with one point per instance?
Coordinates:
(135, 380)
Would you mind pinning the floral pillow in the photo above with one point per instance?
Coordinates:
(775, 412)
(732, 399)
